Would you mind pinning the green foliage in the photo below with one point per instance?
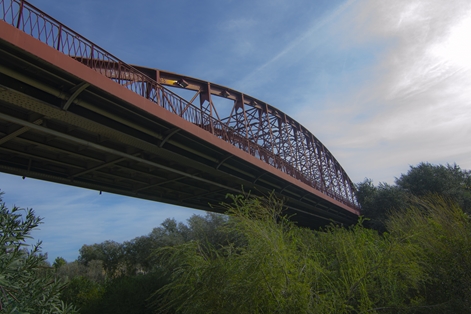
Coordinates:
(256, 261)
(111, 253)
(93, 271)
(420, 181)
(136, 256)
(130, 294)
(209, 229)
(449, 181)
(138, 251)
(244, 277)
(286, 269)
(443, 232)
(121, 291)
(84, 293)
(377, 202)
(58, 262)
(362, 271)
(27, 285)
(124, 294)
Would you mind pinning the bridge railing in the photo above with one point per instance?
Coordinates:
(43, 27)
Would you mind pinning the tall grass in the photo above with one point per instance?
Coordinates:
(443, 232)
(420, 266)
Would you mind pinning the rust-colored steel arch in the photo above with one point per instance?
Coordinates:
(263, 131)
(252, 125)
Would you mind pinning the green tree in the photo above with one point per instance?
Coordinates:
(138, 253)
(59, 262)
(170, 233)
(377, 202)
(93, 271)
(27, 285)
(111, 253)
(209, 228)
(89, 253)
(449, 181)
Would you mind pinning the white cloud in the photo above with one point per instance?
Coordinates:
(414, 102)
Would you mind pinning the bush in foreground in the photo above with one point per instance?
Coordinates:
(286, 269)
(27, 283)
(443, 233)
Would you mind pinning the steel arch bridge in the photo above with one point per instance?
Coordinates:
(133, 133)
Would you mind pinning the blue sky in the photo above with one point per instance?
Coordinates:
(383, 84)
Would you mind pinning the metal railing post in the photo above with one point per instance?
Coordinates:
(92, 48)
(59, 37)
(20, 14)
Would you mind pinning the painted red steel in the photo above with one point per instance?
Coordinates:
(252, 126)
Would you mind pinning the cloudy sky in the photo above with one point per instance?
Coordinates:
(383, 84)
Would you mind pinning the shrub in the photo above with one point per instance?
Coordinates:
(443, 231)
(286, 269)
(27, 283)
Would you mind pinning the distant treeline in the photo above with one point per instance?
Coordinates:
(409, 253)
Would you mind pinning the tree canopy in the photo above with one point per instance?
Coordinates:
(255, 260)
(425, 179)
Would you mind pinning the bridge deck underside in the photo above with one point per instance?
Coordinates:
(102, 142)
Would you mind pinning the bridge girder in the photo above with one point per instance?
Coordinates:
(60, 121)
